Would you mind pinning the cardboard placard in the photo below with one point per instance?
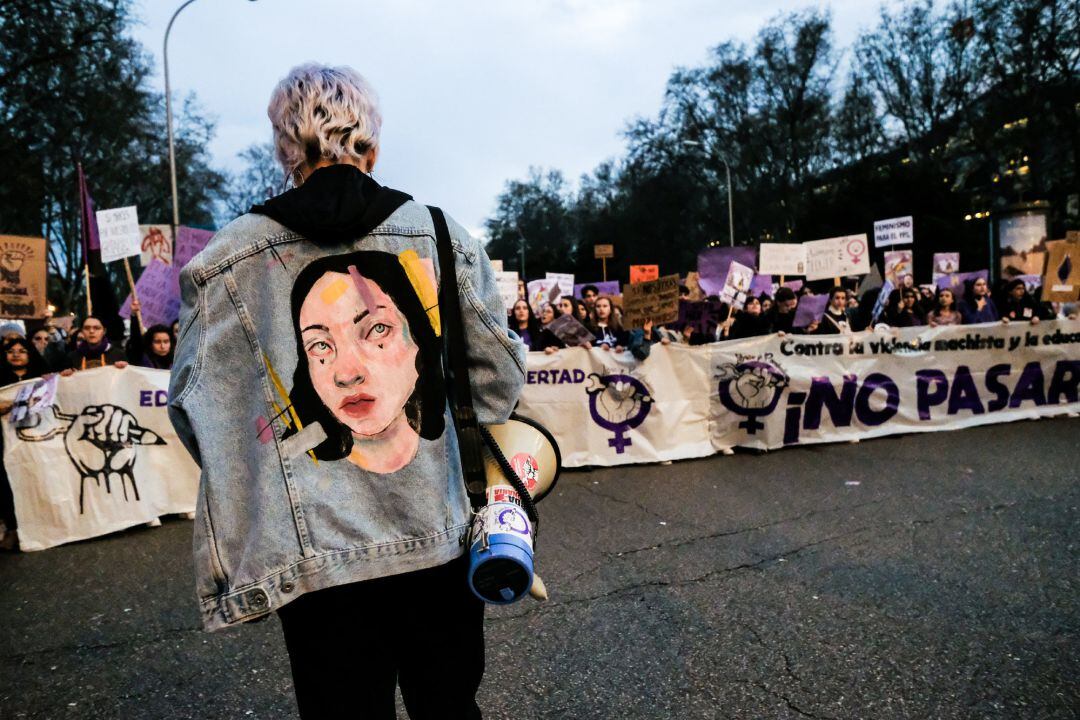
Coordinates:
(894, 231)
(837, 257)
(565, 281)
(945, 264)
(603, 251)
(656, 300)
(157, 243)
(898, 264)
(507, 282)
(737, 285)
(782, 259)
(1061, 282)
(644, 273)
(118, 229)
(22, 277)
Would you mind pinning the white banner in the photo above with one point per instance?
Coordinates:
(770, 392)
(837, 257)
(102, 457)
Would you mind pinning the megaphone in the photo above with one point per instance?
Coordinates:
(522, 465)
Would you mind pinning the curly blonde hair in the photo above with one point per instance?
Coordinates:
(321, 112)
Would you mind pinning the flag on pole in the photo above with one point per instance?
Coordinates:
(90, 238)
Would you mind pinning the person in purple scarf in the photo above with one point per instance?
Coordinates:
(978, 306)
(94, 349)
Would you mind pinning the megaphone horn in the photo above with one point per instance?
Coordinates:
(522, 465)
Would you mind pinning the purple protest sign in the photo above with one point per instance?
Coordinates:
(958, 282)
(761, 285)
(794, 285)
(810, 310)
(610, 287)
(189, 243)
(702, 316)
(158, 289)
(713, 266)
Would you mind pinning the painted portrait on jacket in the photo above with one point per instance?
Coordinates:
(368, 357)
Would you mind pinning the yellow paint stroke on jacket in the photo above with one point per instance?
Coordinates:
(424, 286)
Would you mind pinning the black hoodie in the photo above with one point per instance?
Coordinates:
(336, 204)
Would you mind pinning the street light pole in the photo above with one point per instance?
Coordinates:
(168, 118)
(730, 202)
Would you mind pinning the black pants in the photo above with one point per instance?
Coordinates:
(350, 645)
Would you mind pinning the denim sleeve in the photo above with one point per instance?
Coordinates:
(496, 357)
(185, 361)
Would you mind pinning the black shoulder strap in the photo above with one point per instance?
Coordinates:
(457, 368)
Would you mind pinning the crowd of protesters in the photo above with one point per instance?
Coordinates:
(908, 305)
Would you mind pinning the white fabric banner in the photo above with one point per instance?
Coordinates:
(102, 457)
(770, 392)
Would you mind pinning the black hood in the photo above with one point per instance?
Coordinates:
(337, 203)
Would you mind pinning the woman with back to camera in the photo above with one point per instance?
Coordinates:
(308, 385)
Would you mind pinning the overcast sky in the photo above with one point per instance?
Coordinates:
(472, 93)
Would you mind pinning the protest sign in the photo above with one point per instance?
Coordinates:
(1061, 283)
(570, 331)
(895, 231)
(59, 495)
(1022, 240)
(157, 242)
(782, 259)
(703, 315)
(945, 264)
(794, 285)
(603, 252)
(118, 230)
(644, 273)
(565, 281)
(609, 287)
(508, 287)
(959, 282)
(693, 285)
(713, 265)
(541, 292)
(898, 265)
(189, 243)
(737, 285)
(882, 300)
(158, 290)
(761, 285)
(33, 398)
(837, 257)
(22, 277)
(497, 265)
(655, 300)
(809, 310)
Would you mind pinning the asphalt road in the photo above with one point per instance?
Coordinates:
(928, 576)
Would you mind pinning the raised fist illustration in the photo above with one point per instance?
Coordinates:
(11, 262)
(100, 441)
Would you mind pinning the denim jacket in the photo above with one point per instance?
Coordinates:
(307, 385)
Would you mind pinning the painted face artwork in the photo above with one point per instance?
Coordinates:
(362, 364)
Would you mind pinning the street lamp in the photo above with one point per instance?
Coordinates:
(730, 203)
(168, 116)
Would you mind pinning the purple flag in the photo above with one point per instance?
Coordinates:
(158, 289)
(713, 265)
(90, 238)
(611, 287)
(958, 282)
(810, 310)
(189, 243)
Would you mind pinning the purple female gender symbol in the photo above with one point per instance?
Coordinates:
(620, 428)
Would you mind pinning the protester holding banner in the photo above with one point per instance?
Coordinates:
(525, 324)
(907, 313)
(606, 325)
(1020, 306)
(94, 349)
(835, 319)
(783, 312)
(750, 321)
(977, 305)
(945, 311)
(21, 361)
